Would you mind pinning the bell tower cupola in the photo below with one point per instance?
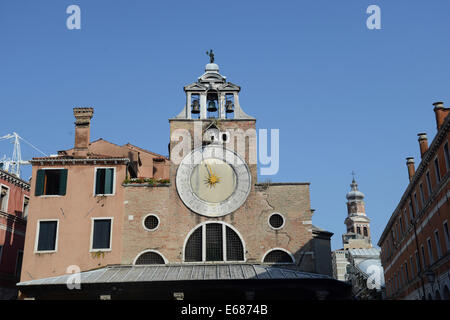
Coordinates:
(212, 96)
(357, 223)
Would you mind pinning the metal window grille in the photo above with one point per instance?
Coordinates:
(278, 256)
(235, 249)
(151, 222)
(276, 220)
(193, 251)
(150, 258)
(214, 242)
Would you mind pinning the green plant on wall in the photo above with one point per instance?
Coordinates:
(98, 254)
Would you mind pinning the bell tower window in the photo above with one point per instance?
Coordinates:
(229, 106)
(195, 103)
(212, 103)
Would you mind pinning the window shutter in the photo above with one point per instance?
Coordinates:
(98, 182)
(40, 176)
(47, 235)
(102, 234)
(62, 182)
(109, 180)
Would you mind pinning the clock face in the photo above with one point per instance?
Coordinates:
(213, 181)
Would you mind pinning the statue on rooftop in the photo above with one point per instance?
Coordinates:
(211, 55)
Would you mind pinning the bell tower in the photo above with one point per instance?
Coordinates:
(357, 223)
(212, 111)
(212, 97)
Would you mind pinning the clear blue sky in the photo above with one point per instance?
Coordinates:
(344, 97)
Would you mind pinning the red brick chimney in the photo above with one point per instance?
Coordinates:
(82, 130)
(411, 168)
(441, 113)
(423, 143)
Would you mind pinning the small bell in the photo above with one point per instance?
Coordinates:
(195, 107)
(229, 106)
(212, 106)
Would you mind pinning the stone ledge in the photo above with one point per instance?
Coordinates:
(146, 185)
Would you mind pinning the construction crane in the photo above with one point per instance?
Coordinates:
(12, 165)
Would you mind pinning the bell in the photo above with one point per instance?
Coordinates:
(212, 106)
(229, 107)
(195, 107)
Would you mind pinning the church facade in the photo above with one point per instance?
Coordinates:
(99, 205)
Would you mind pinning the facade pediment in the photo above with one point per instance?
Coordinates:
(229, 87)
(195, 87)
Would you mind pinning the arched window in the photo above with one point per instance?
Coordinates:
(150, 257)
(358, 230)
(437, 296)
(221, 243)
(278, 256)
(365, 232)
(446, 293)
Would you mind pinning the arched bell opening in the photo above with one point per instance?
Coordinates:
(195, 106)
(212, 104)
(229, 106)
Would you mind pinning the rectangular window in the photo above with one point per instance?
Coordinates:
(19, 263)
(436, 170)
(430, 251)
(428, 183)
(26, 203)
(406, 272)
(47, 234)
(447, 156)
(424, 262)
(417, 262)
(438, 244)
(447, 235)
(1, 253)
(101, 234)
(422, 195)
(51, 182)
(401, 225)
(416, 203)
(4, 196)
(104, 181)
(406, 219)
(402, 276)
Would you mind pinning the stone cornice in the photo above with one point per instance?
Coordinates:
(57, 160)
(207, 119)
(12, 217)
(15, 180)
